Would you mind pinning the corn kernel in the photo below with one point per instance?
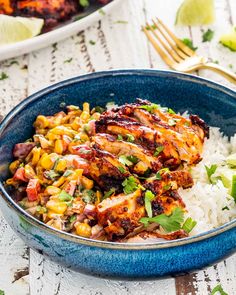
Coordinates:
(87, 183)
(56, 206)
(14, 165)
(83, 230)
(86, 107)
(47, 162)
(52, 136)
(36, 155)
(41, 122)
(62, 130)
(58, 146)
(52, 214)
(76, 123)
(29, 171)
(59, 182)
(61, 165)
(52, 190)
(84, 116)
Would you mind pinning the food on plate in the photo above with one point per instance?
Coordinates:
(229, 39)
(125, 172)
(53, 12)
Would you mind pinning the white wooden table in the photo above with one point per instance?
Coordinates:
(119, 43)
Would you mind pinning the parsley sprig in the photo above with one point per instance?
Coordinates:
(130, 185)
(148, 198)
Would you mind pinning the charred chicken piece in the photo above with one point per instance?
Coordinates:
(120, 214)
(7, 6)
(104, 168)
(50, 10)
(145, 160)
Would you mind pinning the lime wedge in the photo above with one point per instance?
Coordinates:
(229, 40)
(196, 12)
(15, 29)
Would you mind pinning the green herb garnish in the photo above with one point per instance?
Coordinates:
(130, 138)
(233, 189)
(101, 11)
(119, 137)
(99, 109)
(64, 196)
(158, 174)
(72, 218)
(133, 159)
(67, 173)
(121, 22)
(207, 36)
(130, 185)
(2, 292)
(125, 161)
(109, 193)
(219, 289)
(189, 224)
(121, 169)
(51, 175)
(210, 171)
(170, 223)
(189, 43)
(225, 208)
(88, 196)
(68, 60)
(3, 76)
(170, 111)
(92, 42)
(150, 107)
(167, 187)
(84, 3)
(148, 198)
(158, 150)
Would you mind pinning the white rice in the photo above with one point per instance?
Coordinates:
(205, 201)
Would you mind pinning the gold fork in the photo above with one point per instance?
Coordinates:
(176, 54)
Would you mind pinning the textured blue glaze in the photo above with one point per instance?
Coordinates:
(214, 103)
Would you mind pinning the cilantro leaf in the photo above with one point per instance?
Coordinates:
(150, 107)
(219, 289)
(189, 224)
(170, 223)
(210, 171)
(2, 292)
(109, 193)
(189, 43)
(148, 198)
(119, 137)
(133, 159)
(124, 160)
(72, 218)
(3, 76)
(64, 196)
(158, 150)
(130, 138)
(207, 36)
(121, 169)
(170, 111)
(130, 185)
(158, 175)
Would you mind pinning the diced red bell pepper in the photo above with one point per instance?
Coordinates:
(20, 174)
(33, 189)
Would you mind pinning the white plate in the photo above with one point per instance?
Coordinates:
(38, 42)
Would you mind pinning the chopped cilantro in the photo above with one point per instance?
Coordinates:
(207, 36)
(119, 137)
(216, 62)
(72, 218)
(150, 107)
(154, 27)
(121, 169)
(92, 42)
(68, 60)
(148, 198)
(219, 289)
(158, 175)
(169, 223)
(189, 224)
(64, 196)
(51, 175)
(230, 66)
(210, 171)
(158, 150)
(3, 76)
(133, 159)
(2, 292)
(121, 22)
(130, 138)
(170, 111)
(189, 43)
(41, 209)
(124, 160)
(225, 208)
(67, 173)
(167, 187)
(109, 193)
(88, 196)
(84, 3)
(130, 185)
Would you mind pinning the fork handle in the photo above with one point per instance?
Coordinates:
(229, 75)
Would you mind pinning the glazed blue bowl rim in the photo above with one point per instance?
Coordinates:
(104, 244)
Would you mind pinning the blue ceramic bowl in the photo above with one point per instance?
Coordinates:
(214, 103)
